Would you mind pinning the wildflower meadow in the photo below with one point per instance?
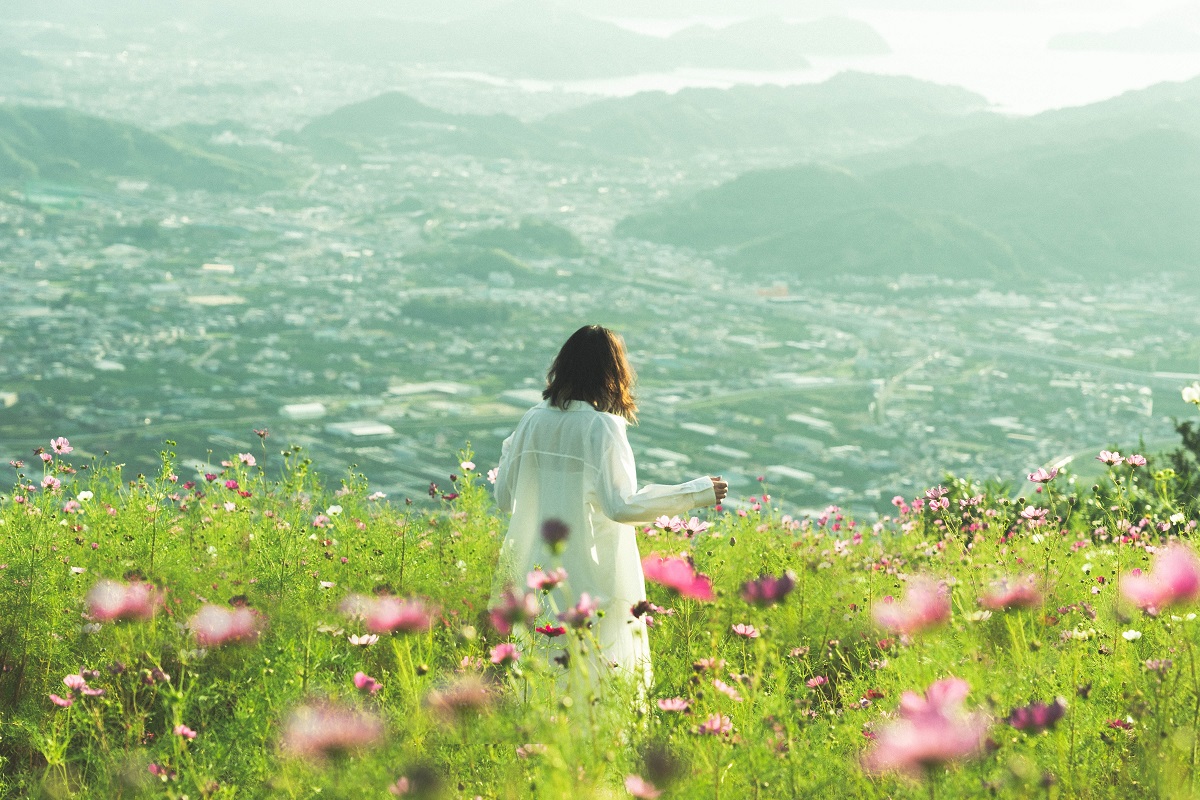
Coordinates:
(255, 633)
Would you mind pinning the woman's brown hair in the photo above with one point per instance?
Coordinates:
(592, 367)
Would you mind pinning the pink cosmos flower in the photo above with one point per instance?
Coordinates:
(1042, 476)
(931, 730)
(366, 683)
(768, 589)
(814, 682)
(1174, 578)
(109, 601)
(505, 653)
(925, 604)
(75, 683)
(492, 474)
(184, 731)
(694, 527)
(1136, 460)
(1112, 459)
(61, 446)
(1012, 593)
(640, 788)
(62, 702)
(578, 615)
(742, 629)
(51, 483)
(231, 484)
(400, 787)
(388, 614)
(247, 459)
(716, 725)
(72, 507)
(215, 625)
(1033, 513)
(544, 581)
(665, 523)
(727, 690)
(514, 608)
(677, 574)
(674, 704)
(321, 730)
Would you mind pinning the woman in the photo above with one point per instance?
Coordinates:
(569, 464)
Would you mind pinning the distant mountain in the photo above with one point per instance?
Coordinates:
(1103, 208)
(532, 238)
(780, 41)
(62, 146)
(989, 143)
(846, 113)
(1175, 31)
(396, 119)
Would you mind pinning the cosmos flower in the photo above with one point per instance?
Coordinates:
(768, 589)
(320, 730)
(1174, 578)
(544, 581)
(1042, 476)
(578, 615)
(925, 604)
(513, 609)
(504, 654)
(1012, 593)
(677, 574)
(641, 788)
(931, 730)
(109, 601)
(1037, 717)
(215, 625)
(364, 682)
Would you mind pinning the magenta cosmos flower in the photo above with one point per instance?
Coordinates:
(215, 625)
(677, 574)
(1174, 578)
(769, 589)
(1037, 717)
(578, 615)
(1012, 593)
(931, 730)
(925, 604)
(365, 683)
(109, 601)
(319, 731)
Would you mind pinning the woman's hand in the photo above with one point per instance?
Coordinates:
(720, 488)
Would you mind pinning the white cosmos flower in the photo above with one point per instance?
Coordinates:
(84, 496)
(1131, 635)
(333, 511)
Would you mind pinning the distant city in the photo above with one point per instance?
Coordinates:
(382, 300)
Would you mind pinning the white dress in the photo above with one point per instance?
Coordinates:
(576, 466)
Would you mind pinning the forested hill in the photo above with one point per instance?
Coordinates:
(1102, 189)
(63, 146)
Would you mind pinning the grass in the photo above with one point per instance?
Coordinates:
(810, 695)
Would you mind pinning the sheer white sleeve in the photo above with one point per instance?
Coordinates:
(506, 479)
(616, 489)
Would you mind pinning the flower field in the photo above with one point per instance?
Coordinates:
(253, 633)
